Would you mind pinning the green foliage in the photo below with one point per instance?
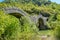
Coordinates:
(56, 25)
(57, 32)
(38, 2)
(13, 29)
(28, 29)
(24, 29)
(9, 27)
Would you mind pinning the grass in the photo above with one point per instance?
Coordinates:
(48, 34)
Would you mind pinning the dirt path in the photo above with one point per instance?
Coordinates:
(46, 37)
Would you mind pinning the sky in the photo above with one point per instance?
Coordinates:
(1, 0)
(57, 1)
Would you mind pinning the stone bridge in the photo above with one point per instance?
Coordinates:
(18, 12)
(11, 10)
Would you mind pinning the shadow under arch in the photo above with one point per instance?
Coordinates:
(17, 15)
(41, 24)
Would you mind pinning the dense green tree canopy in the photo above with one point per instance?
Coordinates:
(39, 2)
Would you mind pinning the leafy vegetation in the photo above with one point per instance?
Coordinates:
(9, 27)
(13, 28)
(28, 29)
(23, 28)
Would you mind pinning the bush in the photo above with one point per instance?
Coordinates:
(57, 28)
(9, 27)
(57, 32)
(28, 29)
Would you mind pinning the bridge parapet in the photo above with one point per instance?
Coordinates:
(15, 10)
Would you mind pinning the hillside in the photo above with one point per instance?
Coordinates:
(19, 27)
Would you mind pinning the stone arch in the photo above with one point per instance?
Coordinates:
(41, 22)
(15, 11)
(17, 15)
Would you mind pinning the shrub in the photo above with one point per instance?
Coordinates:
(57, 31)
(57, 28)
(28, 29)
(9, 27)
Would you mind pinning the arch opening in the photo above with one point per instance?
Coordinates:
(41, 24)
(17, 15)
